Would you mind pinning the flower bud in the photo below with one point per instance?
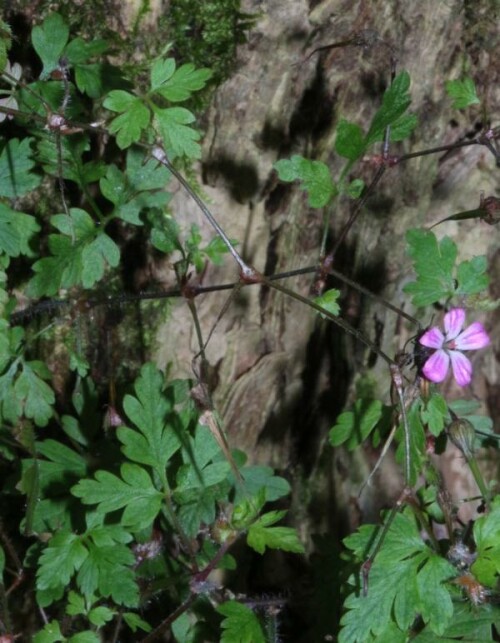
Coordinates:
(462, 434)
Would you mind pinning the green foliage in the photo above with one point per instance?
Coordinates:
(438, 278)
(328, 301)
(16, 165)
(463, 93)
(262, 535)
(154, 441)
(486, 567)
(353, 427)
(406, 581)
(80, 255)
(208, 33)
(352, 143)
(395, 102)
(315, 178)
(240, 624)
(5, 42)
(173, 123)
(134, 491)
(49, 40)
(122, 492)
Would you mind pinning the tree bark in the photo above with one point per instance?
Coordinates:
(284, 375)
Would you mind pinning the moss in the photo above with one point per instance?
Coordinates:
(367, 387)
(208, 33)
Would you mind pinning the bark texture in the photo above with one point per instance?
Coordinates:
(283, 374)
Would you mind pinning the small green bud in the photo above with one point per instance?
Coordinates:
(462, 434)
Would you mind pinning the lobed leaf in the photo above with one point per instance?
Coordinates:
(463, 93)
(314, 176)
(395, 102)
(405, 582)
(240, 624)
(261, 535)
(350, 140)
(154, 442)
(134, 492)
(433, 262)
(49, 40)
(179, 139)
(355, 426)
(179, 85)
(16, 164)
(135, 117)
(79, 255)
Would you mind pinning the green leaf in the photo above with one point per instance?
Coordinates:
(240, 624)
(261, 535)
(35, 395)
(486, 567)
(51, 633)
(79, 51)
(470, 623)
(76, 604)
(463, 93)
(355, 188)
(161, 71)
(417, 441)
(71, 148)
(472, 277)
(5, 43)
(434, 413)
(137, 188)
(406, 581)
(177, 85)
(355, 426)
(395, 102)
(261, 477)
(108, 570)
(61, 466)
(79, 255)
(63, 556)
(433, 262)
(328, 301)
(179, 139)
(85, 637)
(134, 491)
(16, 230)
(402, 127)
(135, 622)
(350, 140)
(134, 119)
(49, 40)
(101, 615)
(16, 164)
(215, 250)
(155, 441)
(314, 176)
(196, 508)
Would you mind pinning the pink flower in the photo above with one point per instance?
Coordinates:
(449, 345)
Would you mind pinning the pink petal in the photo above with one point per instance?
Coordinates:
(473, 337)
(432, 338)
(453, 322)
(462, 368)
(436, 367)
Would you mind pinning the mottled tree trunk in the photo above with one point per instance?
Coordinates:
(283, 374)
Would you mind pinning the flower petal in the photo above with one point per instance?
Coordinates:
(436, 367)
(432, 338)
(462, 368)
(453, 322)
(473, 337)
